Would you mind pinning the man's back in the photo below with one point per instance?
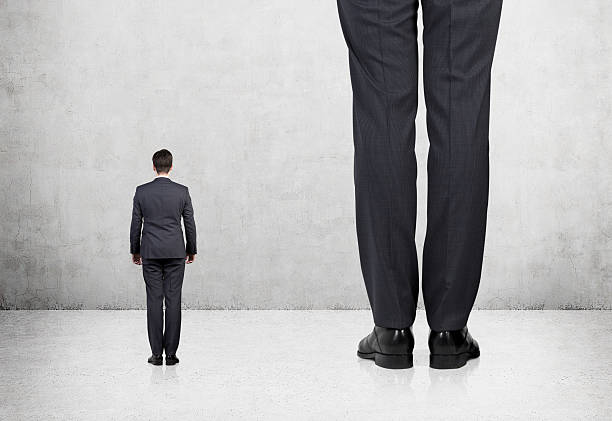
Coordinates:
(158, 208)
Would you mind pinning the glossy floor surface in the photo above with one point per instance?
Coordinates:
(61, 365)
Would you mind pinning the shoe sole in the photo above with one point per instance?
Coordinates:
(391, 361)
(173, 363)
(155, 363)
(446, 362)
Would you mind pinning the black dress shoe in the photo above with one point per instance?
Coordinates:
(389, 348)
(171, 360)
(155, 360)
(451, 348)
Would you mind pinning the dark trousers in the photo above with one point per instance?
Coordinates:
(164, 280)
(459, 39)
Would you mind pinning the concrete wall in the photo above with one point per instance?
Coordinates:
(253, 99)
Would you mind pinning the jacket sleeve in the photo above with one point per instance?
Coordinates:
(190, 226)
(136, 226)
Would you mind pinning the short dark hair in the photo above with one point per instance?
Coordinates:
(162, 160)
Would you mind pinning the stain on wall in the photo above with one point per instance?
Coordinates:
(253, 99)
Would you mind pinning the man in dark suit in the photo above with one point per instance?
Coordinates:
(459, 38)
(161, 251)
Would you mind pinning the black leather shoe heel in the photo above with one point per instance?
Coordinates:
(388, 361)
(389, 348)
(444, 362)
(393, 361)
(451, 349)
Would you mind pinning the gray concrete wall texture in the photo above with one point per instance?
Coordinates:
(253, 98)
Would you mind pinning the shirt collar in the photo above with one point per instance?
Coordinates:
(162, 176)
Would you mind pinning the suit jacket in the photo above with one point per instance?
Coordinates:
(161, 204)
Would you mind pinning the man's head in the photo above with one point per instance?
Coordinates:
(162, 161)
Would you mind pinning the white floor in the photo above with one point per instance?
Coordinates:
(60, 365)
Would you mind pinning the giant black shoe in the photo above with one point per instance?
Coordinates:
(451, 348)
(389, 348)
